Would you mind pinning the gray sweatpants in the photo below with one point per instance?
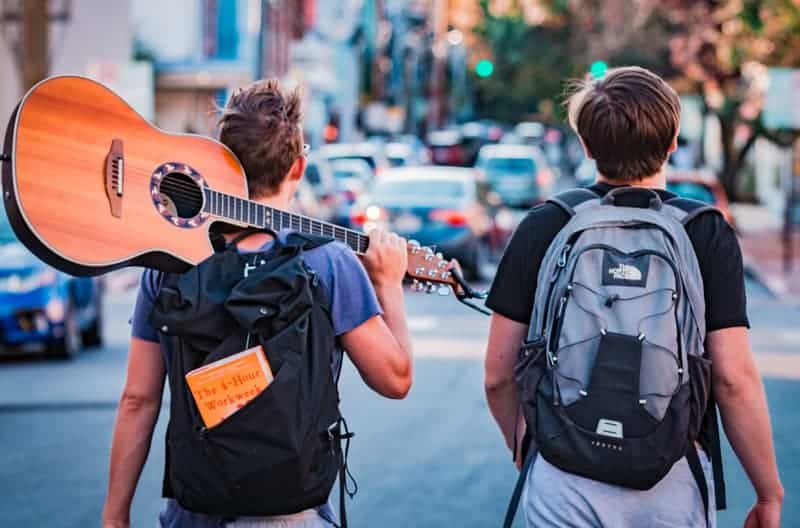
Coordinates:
(554, 498)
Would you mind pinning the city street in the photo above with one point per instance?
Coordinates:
(433, 460)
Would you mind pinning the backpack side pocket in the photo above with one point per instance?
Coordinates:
(528, 373)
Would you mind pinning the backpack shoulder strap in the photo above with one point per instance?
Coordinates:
(691, 208)
(569, 200)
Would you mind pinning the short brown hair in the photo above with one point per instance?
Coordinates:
(627, 121)
(261, 125)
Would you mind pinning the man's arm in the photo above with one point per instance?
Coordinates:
(136, 418)
(505, 337)
(743, 406)
(380, 348)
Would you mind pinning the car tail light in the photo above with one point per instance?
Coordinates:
(373, 213)
(358, 218)
(544, 178)
(449, 217)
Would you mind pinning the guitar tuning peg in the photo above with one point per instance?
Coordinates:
(414, 246)
(415, 285)
(439, 256)
(430, 288)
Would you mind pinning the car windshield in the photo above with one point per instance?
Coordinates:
(368, 159)
(525, 165)
(6, 233)
(695, 191)
(421, 191)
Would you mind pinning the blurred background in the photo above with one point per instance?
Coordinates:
(443, 120)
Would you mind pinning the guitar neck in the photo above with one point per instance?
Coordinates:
(254, 214)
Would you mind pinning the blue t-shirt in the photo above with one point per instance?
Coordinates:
(353, 302)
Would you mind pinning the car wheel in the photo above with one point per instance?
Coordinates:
(92, 336)
(68, 345)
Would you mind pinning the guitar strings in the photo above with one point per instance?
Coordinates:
(195, 193)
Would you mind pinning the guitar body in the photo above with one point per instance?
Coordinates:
(82, 187)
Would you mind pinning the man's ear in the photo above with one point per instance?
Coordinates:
(297, 169)
(674, 146)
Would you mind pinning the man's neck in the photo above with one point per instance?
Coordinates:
(257, 240)
(656, 181)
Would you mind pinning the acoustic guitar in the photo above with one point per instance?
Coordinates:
(90, 186)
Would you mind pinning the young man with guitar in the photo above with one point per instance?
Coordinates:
(629, 303)
(261, 125)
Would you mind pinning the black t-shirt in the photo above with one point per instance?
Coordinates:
(714, 242)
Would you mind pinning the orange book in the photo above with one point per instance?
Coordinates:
(223, 387)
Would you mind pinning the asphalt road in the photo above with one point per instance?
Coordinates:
(433, 460)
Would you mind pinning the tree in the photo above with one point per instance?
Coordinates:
(538, 45)
(721, 48)
(716, 48)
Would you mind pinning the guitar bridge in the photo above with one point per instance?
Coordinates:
(115, 177)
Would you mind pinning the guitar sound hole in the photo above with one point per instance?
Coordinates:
(181, 195)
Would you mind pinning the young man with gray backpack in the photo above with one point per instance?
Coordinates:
(620, 327)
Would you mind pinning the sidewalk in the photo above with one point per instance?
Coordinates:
(761, 237)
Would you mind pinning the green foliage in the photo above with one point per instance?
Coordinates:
(531, 64)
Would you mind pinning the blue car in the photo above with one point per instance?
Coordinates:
(441, 207)
(41, 307)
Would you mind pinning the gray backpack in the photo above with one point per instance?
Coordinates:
(612, 377)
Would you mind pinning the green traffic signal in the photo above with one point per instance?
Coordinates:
(598, 69)
(484, 68)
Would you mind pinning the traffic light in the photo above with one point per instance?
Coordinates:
(484, 68)
(598, 69)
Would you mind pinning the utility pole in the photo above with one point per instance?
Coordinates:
(34, 62)
(440, 21)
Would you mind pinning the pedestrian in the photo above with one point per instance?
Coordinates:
(624, 297)
(361, 305)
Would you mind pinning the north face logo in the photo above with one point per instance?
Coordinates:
(625, 272)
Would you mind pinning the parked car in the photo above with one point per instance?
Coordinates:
(42, 308)
(518, 174)
(404, 155)
(319, 174)
(307, 203)
(440, 207)
(446, 148)
(369, 152)
(530, 132)
(353, 177)
(699, 184)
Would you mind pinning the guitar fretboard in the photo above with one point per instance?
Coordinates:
(254, 214)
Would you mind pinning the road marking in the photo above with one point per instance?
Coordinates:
(422, 323)
(777, 365)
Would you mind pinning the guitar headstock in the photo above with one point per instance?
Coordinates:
(428, 270)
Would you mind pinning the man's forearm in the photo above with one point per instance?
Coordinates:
(504, 405)
(394, 314)
(133, 432)
(745, 417)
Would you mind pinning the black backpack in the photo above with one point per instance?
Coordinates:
(281, 452)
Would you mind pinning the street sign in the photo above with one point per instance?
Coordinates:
(782, 101)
